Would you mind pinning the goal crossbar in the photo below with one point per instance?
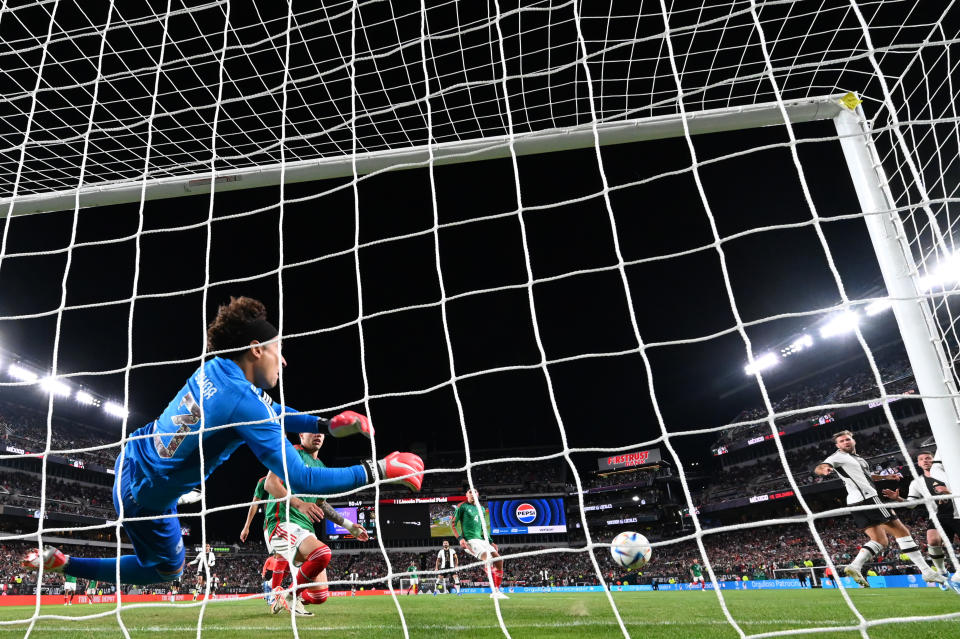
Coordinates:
(487, 148)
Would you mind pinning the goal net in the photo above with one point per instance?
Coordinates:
(559, 228)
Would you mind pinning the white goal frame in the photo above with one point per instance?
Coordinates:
(583, 136)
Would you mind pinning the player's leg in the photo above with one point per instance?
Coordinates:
(156, 539)
(313, 556)
(935, 548)
(868, 551)
(496, 570)
(304, 549)
(909, 547)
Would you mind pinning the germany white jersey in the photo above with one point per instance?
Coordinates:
(447, 558)
(938, 472)
(855, 473)
(204, 560)
(926, 487)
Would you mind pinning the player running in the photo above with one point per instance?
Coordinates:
(205, 559)
(472, 540)
(447, 558)
(877, 523)
(69, 589)
(414, 579)
(91, 590)
(161, 461)
(696, 571)
(276, 564)
(292, 535)
(927, 485)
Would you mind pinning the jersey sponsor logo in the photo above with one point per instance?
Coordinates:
(526, 513)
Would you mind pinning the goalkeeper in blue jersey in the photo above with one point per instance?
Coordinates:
(160, 463)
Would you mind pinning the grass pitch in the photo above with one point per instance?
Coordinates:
(649, 615)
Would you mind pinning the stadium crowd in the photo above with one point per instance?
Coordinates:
(829, 389)
(23, 428)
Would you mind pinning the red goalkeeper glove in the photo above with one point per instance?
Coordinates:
(397, 465)
(350, 423)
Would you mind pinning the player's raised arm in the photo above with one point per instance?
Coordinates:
(823, 469)
(343, 425)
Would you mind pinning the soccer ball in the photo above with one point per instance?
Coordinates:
(630, 550)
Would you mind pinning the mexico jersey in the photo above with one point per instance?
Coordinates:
(855, 473)
(446, 558)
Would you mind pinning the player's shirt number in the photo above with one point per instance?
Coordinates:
(184, 422)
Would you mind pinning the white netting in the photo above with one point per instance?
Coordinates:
(98, 95)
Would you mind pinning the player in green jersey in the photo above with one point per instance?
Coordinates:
(276, 563)
(91, 590)
(696, 571)
(290, 532)
(473, 541)
(414, 579)
(69, 589)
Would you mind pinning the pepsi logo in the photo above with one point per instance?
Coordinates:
(526, 513)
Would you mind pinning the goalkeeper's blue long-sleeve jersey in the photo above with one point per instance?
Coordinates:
(167, 462)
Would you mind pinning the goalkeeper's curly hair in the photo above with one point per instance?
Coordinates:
(228, 328)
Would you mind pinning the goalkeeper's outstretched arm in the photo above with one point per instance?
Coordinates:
(270, 445)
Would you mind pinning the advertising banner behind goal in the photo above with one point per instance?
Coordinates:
(629, 460)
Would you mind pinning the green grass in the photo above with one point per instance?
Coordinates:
(581, 616)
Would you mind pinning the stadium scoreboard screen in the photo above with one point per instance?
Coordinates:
(625, 461)
(426, 517)
(356, 512)
(527, 516)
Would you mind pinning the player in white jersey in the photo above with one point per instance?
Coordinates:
(447, 558)
(877, 522)
(204, 559)
(928, 485)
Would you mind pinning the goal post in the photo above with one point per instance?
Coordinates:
(913, 315)
(486, 148)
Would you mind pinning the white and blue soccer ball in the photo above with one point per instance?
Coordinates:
(630, 550)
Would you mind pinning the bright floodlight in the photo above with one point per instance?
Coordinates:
(840, 324)
(83, 397)
(875, 308)
(762, 363)
(55, 387)
(115, 409)
(946, 272)
(21, 373)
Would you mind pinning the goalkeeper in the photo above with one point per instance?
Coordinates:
(161, 461)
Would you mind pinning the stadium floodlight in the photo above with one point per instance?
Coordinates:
(55, 387)
(19, 372)
(636, 498)
(875, 308)
(83, 397)
(840, 324)
(762, 363)
(115, 409)
(801, 343)
(943, 272)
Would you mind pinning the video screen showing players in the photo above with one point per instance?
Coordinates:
(441, 519)
(362, 514)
